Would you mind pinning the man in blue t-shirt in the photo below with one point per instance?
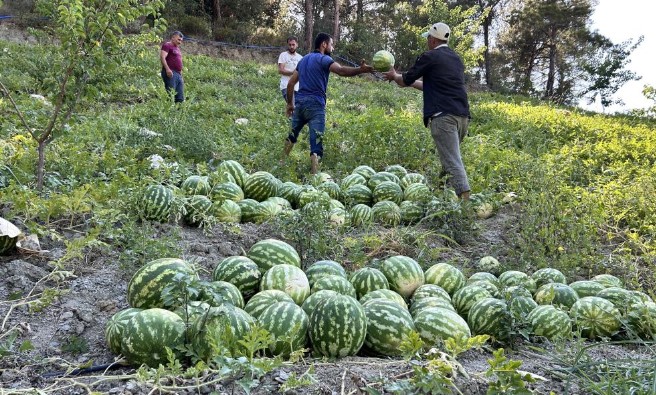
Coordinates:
(312, 74)
(446, 109)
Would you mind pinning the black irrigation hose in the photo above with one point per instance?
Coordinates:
(90, 369)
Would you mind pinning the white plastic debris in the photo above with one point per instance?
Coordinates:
(241, 121)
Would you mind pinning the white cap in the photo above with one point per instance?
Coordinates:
(440, 30)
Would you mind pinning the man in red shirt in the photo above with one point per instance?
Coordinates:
(171, 59)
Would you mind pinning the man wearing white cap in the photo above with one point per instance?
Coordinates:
(446, 109)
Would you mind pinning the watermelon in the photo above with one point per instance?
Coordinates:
(352, 179)
(357, 194)
(488, 263)
(226, 191)
(156, 203)
(548, 275)
(148, 333)
(365, 171)
(490, 316)
(418, 193)
(381, 176)
(289, 279)
(430, 301)
(282, 203)
(361, 215)
(290, 192)
(585, 288)
(388, 324)
(446, 276)
(411, 212)
(338, 327)
(515, 291)
(428, 290)
(386, 213)
(550, 322)
(403, 274)
(491, 288)
(388, 190)
(320, 178)
(309, 195)
(324, 268)
(608, 280)
(465, 297)
(264, 299)
(240, 271)
(595, 317)
(641, 321)
(197, 207)
(556, 294)
(227, 211)
(218, 332)
(335, 283)
(146, 286)
(216, 293)
(220, 177)
(620, 297)
(235, 169)
(260, 186)
(196, 185)
(412, 178)
(436, 324)
(521, 306)
(270, 252)
(337, 217)
(266, 211)
(311, 302)
(8, 236)
(483, 276)
(383, 61)
(368, 279)
(514, 277)
(288, 324)
(331, 188)
(249, 208)
(397, 170)
(115, 328)
(384, 294)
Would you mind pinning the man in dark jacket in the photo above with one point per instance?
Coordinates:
(446, 109)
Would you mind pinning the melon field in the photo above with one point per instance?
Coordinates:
(170, 251)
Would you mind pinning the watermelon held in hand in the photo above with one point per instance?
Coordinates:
(383, 60)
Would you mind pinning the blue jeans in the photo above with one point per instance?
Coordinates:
(313, 113)
(176, 83)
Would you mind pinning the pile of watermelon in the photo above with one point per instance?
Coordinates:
(390, 197)
(370, 310)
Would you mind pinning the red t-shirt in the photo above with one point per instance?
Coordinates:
(174, 57)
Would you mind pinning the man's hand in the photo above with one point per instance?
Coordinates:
(365, 68)
(390, 75)
(169, 73)
(290, 109)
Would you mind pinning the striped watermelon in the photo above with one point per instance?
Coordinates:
(358, 194)
(314, 299)
(387, 326)
(282, 203)
(226, 191)
(219, 177)
(288, 324)
(465, 297)
(338, 327)
(235, 169)
(412, 178)
(427, 302)
(488, 263)
(428, 290)
(368, 279)
(585, 288)
(641, 296)
(337, 217)
(287, 278)
(436, 324)
(196, 185)
(310, 194)
(483, 276)
(515, 291)
(8, 236)
(595, 317)
(240, 271)
(260, 186)
(290, 192)
(365, 171)
(198, 207)
(352, 179)
(387, 190)
(227, 211)
(514, 277)
(156, 203)
(324, 268)
(264, 299)
(418, 193)
(397, 170)
(403, 274)
(266, 211)
(320, 178)
(386, 213)
(641, 321)
(490, 316)
(381, 176)
(384, 294)
(335, 283)
(361, 215)
(333, 204)
(145, 287)
(148, 333)
(249, 209)
(548, 275)
(550, 322)
(331, 188)
(491, 288)
(411, 212)
(620, 297)
(521, 306)
(270, 252)
(218, 332)
(556, 294)
(115, 328)
(608, 280)
(446, 276)
(216, 293)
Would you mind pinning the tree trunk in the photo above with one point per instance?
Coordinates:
(336, 23)
(551, 72)
(216, 15)
(309, 23)
(41, 164)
